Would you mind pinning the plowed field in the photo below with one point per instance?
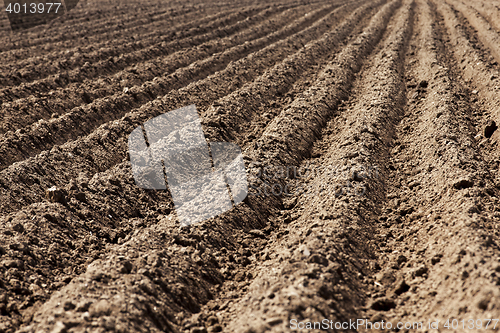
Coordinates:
(386, 111)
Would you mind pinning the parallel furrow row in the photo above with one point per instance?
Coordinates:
(472, 63)
(24, 111)
(30, 68)
(340, 227)
(108, 25)
(488, 36)
(357, 50)
(437, 181)
(381, 109)
(78, 256)
(365, 43)
(37, 137)
(489, 11)
(58, 29)
(110, 139)
(237, 114)
(27, 110)
(115, 64)
(133, 30)
(148, 47)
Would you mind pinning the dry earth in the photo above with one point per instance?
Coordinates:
(388, 109)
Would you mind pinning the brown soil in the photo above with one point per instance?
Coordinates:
(390, 106)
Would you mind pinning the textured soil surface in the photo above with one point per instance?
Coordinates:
(383, 114)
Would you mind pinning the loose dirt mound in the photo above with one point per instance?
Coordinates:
(383, 116)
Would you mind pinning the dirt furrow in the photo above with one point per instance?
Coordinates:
(316, 266)
(28, 110)
(67, 97)
(434, 235)
(369, 132)
(111, 283)
(115, 64)
(70, 125)
(341, 73)
(79, 259)
(102, 231)
(483, 77)
(70, 59)
(58, 37)
(77, 15)
(146, 23)
(134, 32)
(16, 46)
(39, 37)
(15, 73)
(489, 11)
(110, 139)
(91, 44)
(236, 115)
(487, 35)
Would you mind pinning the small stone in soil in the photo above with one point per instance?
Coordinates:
(257, 233)
(274, 321)
(199, 330)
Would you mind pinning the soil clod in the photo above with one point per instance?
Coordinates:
(54, 194)
(383, 304)
(463, 183)
(423, 84)
(490, 128)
